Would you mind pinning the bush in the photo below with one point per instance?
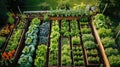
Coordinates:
(89, 45)
(108, 42)
(75, 40)
(111, 51)
(87, 37)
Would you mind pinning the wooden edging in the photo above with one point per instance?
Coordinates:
(100, 46)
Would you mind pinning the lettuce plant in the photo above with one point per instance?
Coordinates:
(87, 37)
(65, 28)
(114, 60)
(40, 56)
(93, 59)
(54, 43)
(105, 32)
(111, 51)
(85, 30)
(75, 40)
(108, 42)
(66, 60)
(89, 45)
(74, 28)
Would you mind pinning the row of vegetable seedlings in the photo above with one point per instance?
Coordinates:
(107, 40)
(90, 45)
(11, 48)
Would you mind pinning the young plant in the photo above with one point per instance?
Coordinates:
(65, 28)
(75, 40)
(74, 28)
(40, 56)
(22, 24)
(105, 32)
(14, 40)
(54, 43)
(93, 59)
(108, 42)
(66, 60)
(89, 45)
(111, 51)
(99, 21)
(92, 52)
(114, 60)
(85, 30)
(87, 37)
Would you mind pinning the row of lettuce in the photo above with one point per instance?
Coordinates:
(108, 39)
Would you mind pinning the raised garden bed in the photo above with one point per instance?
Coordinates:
(62, 42)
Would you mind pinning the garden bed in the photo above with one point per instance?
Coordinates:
(64, 35)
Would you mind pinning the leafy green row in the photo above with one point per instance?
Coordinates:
(25, 59)
(40, 56)
(78, 57)
(65, 28)
(66, 59)
(14, 40)
(54, 43)
(73, 13)
(107, 39)
(74, 28)
(43, 32)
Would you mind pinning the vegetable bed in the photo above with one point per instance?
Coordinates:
(57, 42)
